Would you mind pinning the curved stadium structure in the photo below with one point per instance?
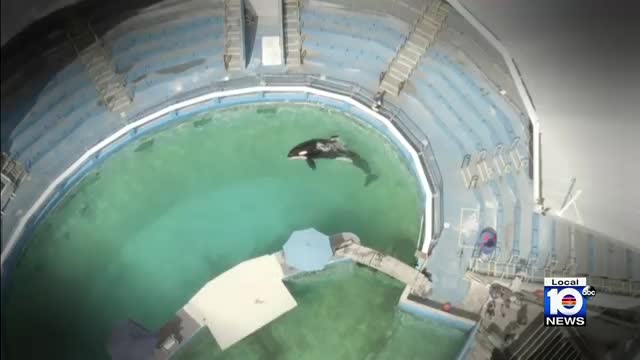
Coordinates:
(159, 130)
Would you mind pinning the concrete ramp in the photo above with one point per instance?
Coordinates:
(242, 300)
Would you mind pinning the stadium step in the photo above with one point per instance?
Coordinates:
(234, 49)
(416, 44)
(98, 64)
(293, 35)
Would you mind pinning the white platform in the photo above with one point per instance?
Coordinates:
(242, 300)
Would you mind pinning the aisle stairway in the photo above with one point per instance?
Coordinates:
(234, 49)
(292, 34)
(98, 63)
(416, 44)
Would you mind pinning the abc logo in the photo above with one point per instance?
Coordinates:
(567, 301)
(589, 291)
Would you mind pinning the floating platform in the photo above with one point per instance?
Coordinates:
(242, 300)
(252, 294)
(232, 306)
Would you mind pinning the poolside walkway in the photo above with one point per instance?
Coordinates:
(418, 283)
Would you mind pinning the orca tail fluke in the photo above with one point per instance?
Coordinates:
(370, 178)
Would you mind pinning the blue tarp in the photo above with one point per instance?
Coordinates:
(308, 250)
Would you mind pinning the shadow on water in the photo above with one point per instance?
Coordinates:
(83, 186)
(267, 110)
(268, 345)
(202, 122)
(144, 145)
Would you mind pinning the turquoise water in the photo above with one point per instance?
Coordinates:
(345, 312)
(139, 237)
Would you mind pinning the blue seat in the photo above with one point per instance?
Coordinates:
(68, 83)
(480, 97)
(36, 147)
(167, 43)
(468, 97)
(366, 29)
(160, 33)
(162, 61)
(327, 39)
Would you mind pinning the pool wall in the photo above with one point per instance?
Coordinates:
(451, 319)
(456, 318)
(145, 126)
(468, 345)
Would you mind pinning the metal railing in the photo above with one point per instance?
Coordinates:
(414, 136)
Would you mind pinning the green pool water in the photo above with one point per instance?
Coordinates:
(163, 216)
(344, 312)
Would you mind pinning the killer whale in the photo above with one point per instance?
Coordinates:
(331, 148)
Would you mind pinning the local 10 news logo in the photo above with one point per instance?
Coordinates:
(565, 301)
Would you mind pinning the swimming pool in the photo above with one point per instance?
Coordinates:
(157, 220)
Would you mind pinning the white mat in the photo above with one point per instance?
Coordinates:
(242, 300)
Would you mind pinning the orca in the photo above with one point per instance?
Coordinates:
(331, 148)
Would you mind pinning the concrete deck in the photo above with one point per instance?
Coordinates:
(389, 265)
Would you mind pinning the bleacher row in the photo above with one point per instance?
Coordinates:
(565, 249)
(177, 46)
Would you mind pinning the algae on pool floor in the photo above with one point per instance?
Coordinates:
(344, 312)
(139, 239)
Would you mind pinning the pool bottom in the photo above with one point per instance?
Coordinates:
(344, 312)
